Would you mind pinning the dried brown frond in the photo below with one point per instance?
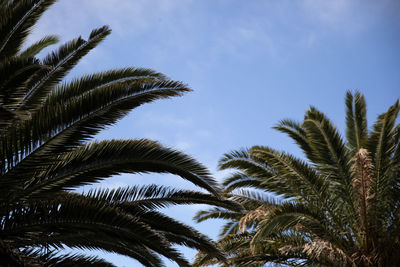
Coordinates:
(253, 215)
(362, 179)
(321, 251)
(363, 260)
(324, 251)
(362, 172)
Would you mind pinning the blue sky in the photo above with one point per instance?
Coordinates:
(251, 63)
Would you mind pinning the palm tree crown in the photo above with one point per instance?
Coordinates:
(338, 207)
(45, 128)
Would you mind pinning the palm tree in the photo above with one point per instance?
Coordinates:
(337, 206)
(45, 152)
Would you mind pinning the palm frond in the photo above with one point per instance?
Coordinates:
(240, 180)
(61, 63)
(67, 126)
(356, 121)
(15, 74)
(381, 142)
(66, 260)
(291, 215)
(150, 197)
(99, 160)
(18, 18)
(296, 131)
(217, 213)
(363, 179)
(38, 46)
(79, 222)
(68, 91)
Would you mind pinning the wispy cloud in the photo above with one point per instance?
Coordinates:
(348, 16)
(126, 17)
(165, 119)
(334, 13)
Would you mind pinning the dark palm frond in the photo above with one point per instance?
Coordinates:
(38, 46)
(81, 223)
(217, 213)
(94, 241)
(64, 216)
(15, 74)
(77, 87)
(51, 259)
(77, 260)
(142, 254)
(96, 161)
(240, 180)
(181, 234)
(67, 126)
(150, 197)
(61, 63)
(18, 18)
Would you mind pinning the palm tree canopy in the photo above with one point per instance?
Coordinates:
(336, 206)
(45, 152)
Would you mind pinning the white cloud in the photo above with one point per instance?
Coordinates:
(125, 17)
(183, 145)
(241, 37)
(347, 16)
(329, 12)
(151, 118)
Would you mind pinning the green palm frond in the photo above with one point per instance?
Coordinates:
(298, 177)
(329, 150)
(297, 132)
(291, 215)
(356, 121)
(381, 142)
(243, 160)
